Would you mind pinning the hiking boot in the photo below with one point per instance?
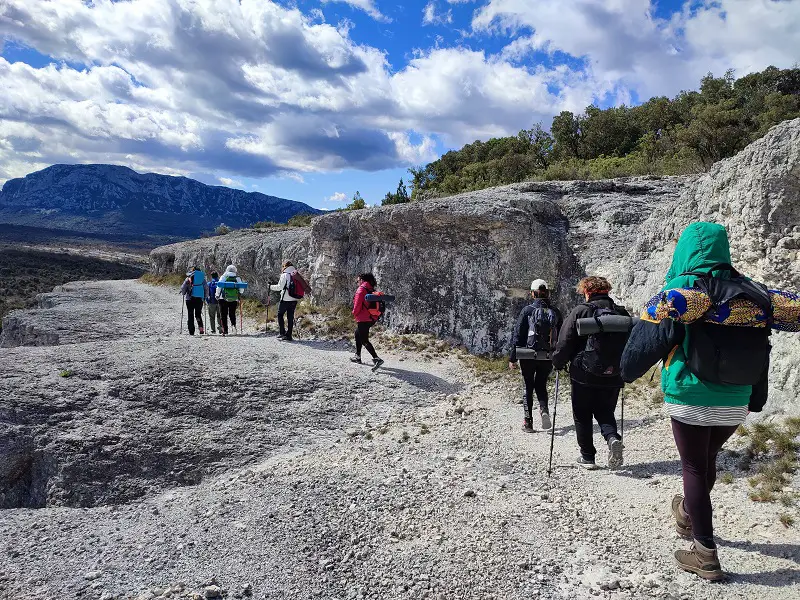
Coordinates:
(527, 425)
(683, 525)
(546, 422)
(288, 338)
(202, 331)
(280, 336)
(701, 561)
(355, 359)
(614, 453)
(376, 363)
(587, 463)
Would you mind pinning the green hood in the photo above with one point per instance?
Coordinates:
(700, 247)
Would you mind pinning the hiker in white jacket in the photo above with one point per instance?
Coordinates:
(287, 303)
(228, 298)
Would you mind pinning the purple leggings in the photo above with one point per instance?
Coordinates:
(698, 447)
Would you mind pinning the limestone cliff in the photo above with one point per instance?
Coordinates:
(460, 266)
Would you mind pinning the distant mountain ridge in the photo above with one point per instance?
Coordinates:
(116, 199)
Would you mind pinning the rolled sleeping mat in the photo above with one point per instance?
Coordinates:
(531, 354)
(379, 298)
(239, 285)
(609, 323)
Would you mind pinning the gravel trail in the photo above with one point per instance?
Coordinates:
(171, 466)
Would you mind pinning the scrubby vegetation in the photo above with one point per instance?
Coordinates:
(169, 279)
(773, 451)
(25, 273)
(663, 136)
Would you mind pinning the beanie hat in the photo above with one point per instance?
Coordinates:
(538, 284)
(231, 269)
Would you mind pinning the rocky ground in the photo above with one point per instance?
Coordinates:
(143, 463)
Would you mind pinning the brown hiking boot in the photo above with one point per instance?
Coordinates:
(701, 561)
(682, 523)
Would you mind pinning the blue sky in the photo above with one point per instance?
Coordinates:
(315, 99)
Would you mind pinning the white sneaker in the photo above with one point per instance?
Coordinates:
(614, 453)
(546, 422)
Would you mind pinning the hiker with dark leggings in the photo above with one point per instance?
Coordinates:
(229, 298)
(195, 292)
(364, 318)
(536, 329)
(704, 413)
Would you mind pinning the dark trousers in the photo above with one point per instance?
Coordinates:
(598, 403)
(286, 308)
(535, 374)
(362, 339)
(698, 447)
(194, 306)
(228, 311)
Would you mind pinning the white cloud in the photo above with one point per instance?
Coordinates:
(430, 16)
(230, 182)
(337, 198)
(624, 44)
(253, 88)
(368, 6)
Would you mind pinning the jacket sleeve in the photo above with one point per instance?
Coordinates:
(358, 300)
(758, 397)
(520, 333)
(648, 343)
(568, 341)
(185, 287)
(278, 287)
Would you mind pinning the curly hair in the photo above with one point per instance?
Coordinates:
(593, 285)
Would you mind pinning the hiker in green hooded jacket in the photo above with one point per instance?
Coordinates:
(704, 414)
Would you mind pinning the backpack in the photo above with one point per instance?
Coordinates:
(542, 324)
(376, 308)
(212, 292)
(231, 294)
(603, 351)
(729, 354)
(296, 285)
(198, 279)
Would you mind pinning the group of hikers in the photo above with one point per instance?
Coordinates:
(220, 301)
(223, 295)
(710, 327)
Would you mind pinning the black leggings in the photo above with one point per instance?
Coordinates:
(227, 310)
(195, 308)
(698, 447)
(362, 339)
(590, 402)
(535, 374)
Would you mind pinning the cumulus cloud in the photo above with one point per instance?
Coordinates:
(624, 44)
(368, 6)
(255, 88)
(337, 198)
(230, 182)
(431, 16)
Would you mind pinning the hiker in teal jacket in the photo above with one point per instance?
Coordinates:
(703, 414)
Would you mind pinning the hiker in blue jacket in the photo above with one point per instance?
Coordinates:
(213, 304)
(195, 292)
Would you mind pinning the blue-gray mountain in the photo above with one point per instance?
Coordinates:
(113, 199)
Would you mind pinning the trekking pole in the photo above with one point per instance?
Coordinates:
(182, 314)
(241, 318)
(266, 319)
(553, 431)
(622, 416)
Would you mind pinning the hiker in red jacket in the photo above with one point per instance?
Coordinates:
(364, 320)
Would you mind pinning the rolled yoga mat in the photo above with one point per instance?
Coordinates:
(239, 285)
(379, 298)
(610, 323)
(530, 354)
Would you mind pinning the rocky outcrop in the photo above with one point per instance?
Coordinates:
(460, 266)
(258, 255)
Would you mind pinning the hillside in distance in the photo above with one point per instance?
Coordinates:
(115, 199)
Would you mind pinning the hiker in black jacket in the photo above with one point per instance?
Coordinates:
(536, 321)
(594, 374)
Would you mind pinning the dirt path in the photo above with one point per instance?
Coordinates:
(284, 471)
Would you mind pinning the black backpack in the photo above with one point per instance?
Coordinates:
(726, 353)
(542, 323)
(603, 351)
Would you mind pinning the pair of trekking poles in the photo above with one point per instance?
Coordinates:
(553, 424)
